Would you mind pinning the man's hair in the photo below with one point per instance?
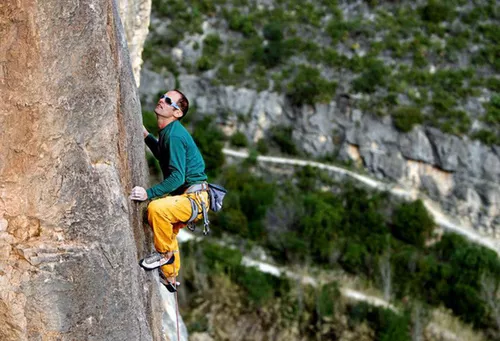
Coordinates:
(183, 103)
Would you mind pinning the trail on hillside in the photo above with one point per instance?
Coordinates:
(274, 270)
(440, 217)
(356, 295)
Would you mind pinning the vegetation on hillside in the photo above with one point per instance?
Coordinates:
(436, 56)
(430, 62)
(389, 244)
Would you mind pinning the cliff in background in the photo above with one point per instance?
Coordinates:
(71, 150)
(406, 91)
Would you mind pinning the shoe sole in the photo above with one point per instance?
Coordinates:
(155, 265)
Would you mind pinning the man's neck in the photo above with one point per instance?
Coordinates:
(163, 122)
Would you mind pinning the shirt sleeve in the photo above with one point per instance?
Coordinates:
(152, 143)
(176, 167)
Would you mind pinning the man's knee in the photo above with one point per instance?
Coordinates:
(159, 208)
(153, 207)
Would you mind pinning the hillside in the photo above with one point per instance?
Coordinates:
(402, 96)
(407, 91)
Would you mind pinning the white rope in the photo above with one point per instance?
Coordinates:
(176, 309)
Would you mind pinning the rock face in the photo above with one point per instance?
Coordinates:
(135, 18)
(71, 149)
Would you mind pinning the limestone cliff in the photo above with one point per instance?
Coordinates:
(272, 64)
(71, 148)
(135, 18)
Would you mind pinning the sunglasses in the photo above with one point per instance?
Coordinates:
(169, 101)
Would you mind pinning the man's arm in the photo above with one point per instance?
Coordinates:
(177, 170)
(151, 142)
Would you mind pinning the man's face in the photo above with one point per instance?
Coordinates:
(166, 110)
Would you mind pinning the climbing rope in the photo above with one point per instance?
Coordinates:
(176, 309)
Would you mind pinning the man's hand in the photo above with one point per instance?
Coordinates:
(138, 194)
(145, 131)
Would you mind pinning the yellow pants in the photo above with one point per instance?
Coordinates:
(167, 216)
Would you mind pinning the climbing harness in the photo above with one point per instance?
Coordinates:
(216, 195)
(195, 211)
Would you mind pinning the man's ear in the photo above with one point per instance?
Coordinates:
(178, 113)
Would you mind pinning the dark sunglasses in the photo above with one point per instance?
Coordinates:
(169, 101)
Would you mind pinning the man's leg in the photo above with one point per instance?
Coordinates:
(172, 270)
(166, 216)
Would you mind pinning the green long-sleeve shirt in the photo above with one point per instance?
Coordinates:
(180, 160)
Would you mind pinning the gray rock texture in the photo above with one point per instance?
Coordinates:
(426, 159)
(135, 16)
(71, 151)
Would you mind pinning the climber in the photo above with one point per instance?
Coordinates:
(182, 195)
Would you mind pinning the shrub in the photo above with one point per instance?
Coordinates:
(258, 285)
(467, 263)
(328, 298)
(211, 44)
(374, 75)
(270, 55)
(210, 141)
(205, 63)
(353, 258)
(219, 259)
(493, 84)
(254, 197)
(487, 137)
(493, 110)
(241, 23)
(308, 87)
(436, 11)
(233, 220)
(412, 223)
(282, 137)
(252, 158)
(307, 178)
(363, 219)
(405, 118)
(239, 139)
(338, 29)
(262, 147)
(240, 65)
(442, 103)
(455, 122)
(388, 325)
(319, 226)
(210, 56)
(183, 19)
(160, 61)
(273, 31)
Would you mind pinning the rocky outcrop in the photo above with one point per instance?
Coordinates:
(135, 18)
(463, 175)
(71, 150)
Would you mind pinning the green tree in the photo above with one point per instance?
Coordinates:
(406, 117)
(412, 223)
(319, 226)
(308, 87)
(210, 141)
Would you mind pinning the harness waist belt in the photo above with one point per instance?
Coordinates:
(197, 188)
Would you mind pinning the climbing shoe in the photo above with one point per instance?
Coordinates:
(155, 260)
